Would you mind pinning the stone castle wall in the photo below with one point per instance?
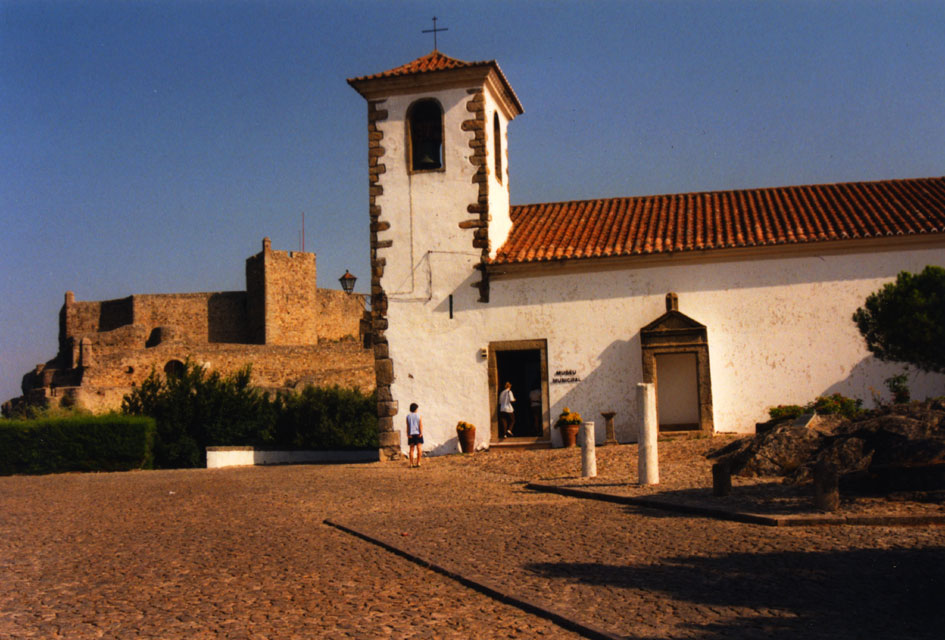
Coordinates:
(198, 317)
(290, 332)
(338, 314)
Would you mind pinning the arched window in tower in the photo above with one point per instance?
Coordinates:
(425, 118)
(497, 144)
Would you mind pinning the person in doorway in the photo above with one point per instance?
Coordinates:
(415, 434)
(506, 411)
(534, 401)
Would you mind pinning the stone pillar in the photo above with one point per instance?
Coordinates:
(610, 437)
(721, 479)
(648, 465)
(588, 452)
(826, 486)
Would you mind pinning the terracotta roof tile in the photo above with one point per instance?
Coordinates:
(435, 62)
(723, 219)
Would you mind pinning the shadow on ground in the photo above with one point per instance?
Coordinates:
(892, 593)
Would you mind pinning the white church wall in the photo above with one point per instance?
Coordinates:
(500, 222)
(421, 207)
(779, 331)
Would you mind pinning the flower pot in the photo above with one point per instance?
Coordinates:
(569, 434)
(467, 440)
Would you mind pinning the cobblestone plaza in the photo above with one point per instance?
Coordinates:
(245, 553)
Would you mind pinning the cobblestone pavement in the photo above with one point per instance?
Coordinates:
(244, 553)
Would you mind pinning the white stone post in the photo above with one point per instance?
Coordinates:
(648, 468)
(588, 453)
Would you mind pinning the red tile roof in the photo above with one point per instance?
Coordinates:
(435, 62)
(723, 219)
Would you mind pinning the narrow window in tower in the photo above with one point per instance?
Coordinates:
(425, 138)
(497, 145)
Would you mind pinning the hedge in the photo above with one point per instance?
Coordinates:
(81, 443)
(195, 409)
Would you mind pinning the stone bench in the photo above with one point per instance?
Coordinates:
(218, 457)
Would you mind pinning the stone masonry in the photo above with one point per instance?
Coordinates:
(389, 439)
(291, 333)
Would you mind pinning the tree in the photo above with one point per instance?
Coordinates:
(905, 320)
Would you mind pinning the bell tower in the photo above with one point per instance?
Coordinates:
(439, 193)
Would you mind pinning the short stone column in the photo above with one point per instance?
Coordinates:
(610, 436)
(648, 466)
(826, 486)
(588, 451)
(721, 479)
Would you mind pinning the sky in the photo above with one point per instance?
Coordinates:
(149, 146)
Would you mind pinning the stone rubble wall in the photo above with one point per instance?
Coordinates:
(343, 362)
(291, 332)
(338, 314)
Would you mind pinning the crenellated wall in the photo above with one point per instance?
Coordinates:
(288, 330)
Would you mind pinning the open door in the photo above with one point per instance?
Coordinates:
(524, 365)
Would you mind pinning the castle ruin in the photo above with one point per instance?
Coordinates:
(291, 332)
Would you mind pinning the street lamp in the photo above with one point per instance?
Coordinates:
(347, 282)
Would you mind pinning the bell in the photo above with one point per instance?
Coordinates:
(427, 156)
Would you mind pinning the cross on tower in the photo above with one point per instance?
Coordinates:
(434, 31)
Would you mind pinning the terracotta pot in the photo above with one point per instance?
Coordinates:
(569, 434)
(467, 440)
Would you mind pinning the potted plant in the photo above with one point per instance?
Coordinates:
(466, 433)
(569, 422)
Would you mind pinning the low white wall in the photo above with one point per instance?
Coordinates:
(218, 457)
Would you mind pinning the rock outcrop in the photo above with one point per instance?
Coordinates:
(900, 447)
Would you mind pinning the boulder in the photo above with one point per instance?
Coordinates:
(776, 452)
(895, 448)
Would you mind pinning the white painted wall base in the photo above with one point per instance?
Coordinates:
(218, 457)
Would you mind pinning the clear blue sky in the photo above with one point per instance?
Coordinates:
(148, 146)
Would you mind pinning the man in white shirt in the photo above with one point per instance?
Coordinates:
(506, 411)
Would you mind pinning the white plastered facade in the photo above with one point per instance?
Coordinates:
(779, 321)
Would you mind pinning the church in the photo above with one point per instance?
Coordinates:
(730, 302)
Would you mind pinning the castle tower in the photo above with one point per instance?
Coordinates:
(281, 297)
(439, 194)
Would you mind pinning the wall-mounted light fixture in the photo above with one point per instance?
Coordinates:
(347, 282)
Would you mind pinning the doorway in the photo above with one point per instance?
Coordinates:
(524, 365)
(677, 392)
(675, 350)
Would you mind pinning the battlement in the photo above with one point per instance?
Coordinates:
(281, 294)
(283, 324)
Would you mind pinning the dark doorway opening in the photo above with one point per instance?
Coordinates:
(523, 369)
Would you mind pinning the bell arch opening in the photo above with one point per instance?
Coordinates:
(425, 135)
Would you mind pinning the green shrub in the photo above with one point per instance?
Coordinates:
(81, 443)
(898, 386)
(905, 320)
(326, 418)
(785, 411)
(195, 410)
(836, 403)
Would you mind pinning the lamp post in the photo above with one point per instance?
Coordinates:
(347, 282)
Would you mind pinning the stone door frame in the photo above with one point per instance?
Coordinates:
(675, 332)
(541, 346)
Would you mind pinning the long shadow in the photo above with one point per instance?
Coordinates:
(862, 593)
